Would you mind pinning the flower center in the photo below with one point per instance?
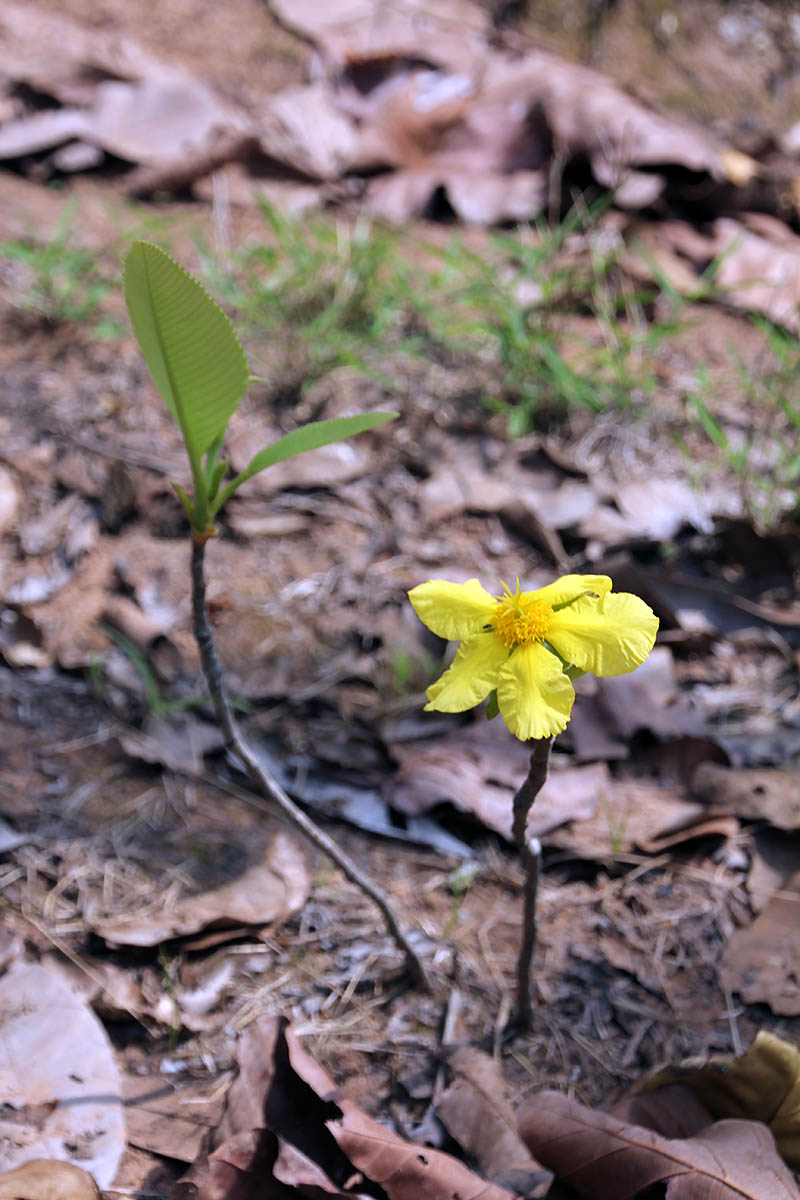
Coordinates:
(517, 621)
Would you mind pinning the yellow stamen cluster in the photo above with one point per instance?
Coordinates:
(518, 622)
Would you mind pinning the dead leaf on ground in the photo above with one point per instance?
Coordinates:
(269, 890)
(178, 741)
(58, 1078)
(476, 1112)
(771, 794)
(763, 1084)
(47, 1179)
(480, 775)
(142, 111)
(347, 31)
(774, 858)
(657, 508)
(757, 274)
(760, 962)
(642, 816)
(674, 1111)
(286, 1120)
(601, 1156)
(476, 121)
(171, 1119)
(610, 711)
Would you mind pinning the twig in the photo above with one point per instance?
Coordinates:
(262, 779)
(530, 850)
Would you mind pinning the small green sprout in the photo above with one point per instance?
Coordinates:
(200, 369)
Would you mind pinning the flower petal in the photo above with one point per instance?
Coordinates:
(471, 676)
(452, 610)
(534, 695)
(570, 587)
(607, 637)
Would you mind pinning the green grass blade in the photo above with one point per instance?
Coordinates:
(188, 343)
(307, 437)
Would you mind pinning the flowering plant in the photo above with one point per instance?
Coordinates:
(522, 649)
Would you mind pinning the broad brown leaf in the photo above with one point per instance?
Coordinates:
(763, 1084)
(600, 1156)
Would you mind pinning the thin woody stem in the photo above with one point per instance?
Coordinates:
(269, 787)
(531, 854)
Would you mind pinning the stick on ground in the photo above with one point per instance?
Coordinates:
(263, 781)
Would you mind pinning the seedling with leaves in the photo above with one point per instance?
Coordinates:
(201, 371)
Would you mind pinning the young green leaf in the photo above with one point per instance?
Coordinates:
(188, 343)
(307, 437)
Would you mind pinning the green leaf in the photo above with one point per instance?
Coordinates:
(188, 343)
(307, 437)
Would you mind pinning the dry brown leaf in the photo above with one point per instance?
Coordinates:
(476, 1112)
(673, 1111)
(47, 1179)
(770, 794)
(403, 1170)
(610, 711)
(760, 962)
(171, 1119)
(324, 1140)
(58, 1078)
(763, 1084)
(270, 890)
(632, 815)
(600, 1156)
(774, 858)
(480, 776)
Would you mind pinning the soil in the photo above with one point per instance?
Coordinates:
(312, 625)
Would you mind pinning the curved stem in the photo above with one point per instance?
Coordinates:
(261, 778)
(531, 854)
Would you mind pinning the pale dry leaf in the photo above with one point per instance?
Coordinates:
(770, 794)
(348, 30)
(58, 1077)
(757, 274)
(760, 961)
(269, 890)
(600, 1156)
(47, 1179)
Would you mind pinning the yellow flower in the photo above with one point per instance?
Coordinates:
(521, 644)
